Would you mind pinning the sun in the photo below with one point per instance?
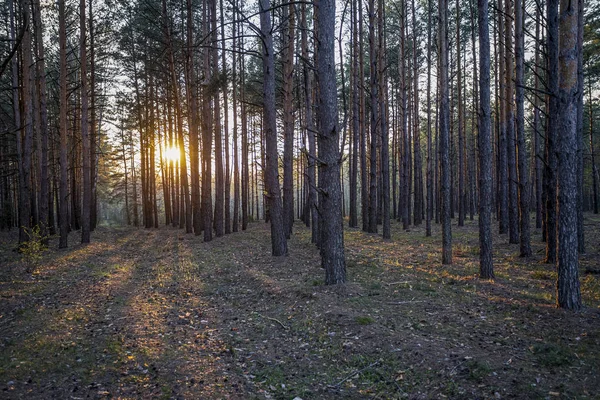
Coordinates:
(171, 154)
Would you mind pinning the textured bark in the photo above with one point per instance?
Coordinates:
(364, 183)
(569, 295)
(353, 212)
(404, 201)
(227, 187)
(310, 132)
(593, 157)
(486, 266)
(93, 121)
(538, 137)
(444, 117)
(374, 125)
(288, 117)
(460, 133)
(192, 101)
(383, 117)
(502, 148)
(418, 163)
(207, 132)
(551, 130)
(236, 166)
(429, 144)
(85, 137)
(219, 221)
(580, 90)
(332, 234)
(522, 154)
(44, 205)
(278, 239)
(25, 129)
(513, 206)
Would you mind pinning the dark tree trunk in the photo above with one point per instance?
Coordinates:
(513, 206)
(460, 131)
(569, 295)
(353, 212)
(332, 234)
(44, 202)
(192, 101)
(502, 139)
(593, 159)
(288, 117)
(374, 125)
(278, 239)
(522, 154)
(486, 266)
(444, 133)
(418, 164)
(85, 136)
(580, 90)
(429, 146)
(207, 132)
(551, 130)
(25, 129)
(310, 133)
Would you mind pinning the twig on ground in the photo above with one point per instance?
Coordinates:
(398, 283)
(405, 302)
(274, 320)
(353, 374)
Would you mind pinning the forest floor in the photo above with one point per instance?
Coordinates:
(140, 314)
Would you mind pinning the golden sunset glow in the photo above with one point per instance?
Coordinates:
(171, 154)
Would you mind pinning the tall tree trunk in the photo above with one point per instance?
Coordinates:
(353, 212)
(227, 183)
(332, 246)
(580, 90)
(24, 129)
(43, 119)
(569, 295)
(93, 122)
(364, 178)
(219, 220)
(502, 168)
(310, 130)
(551, 129)
(513, 210)
(374, 80)
(593, 159)
(486, 266)
(429, 216)
(192, 101)
(288, 116)
(418, 164)
(460, 133)
(85, 136)
(537, 139)
(236, 167)
(444, 133)
(278, 238)
(207, 130)
(523, 167)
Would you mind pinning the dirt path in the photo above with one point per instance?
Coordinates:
(159, 314)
